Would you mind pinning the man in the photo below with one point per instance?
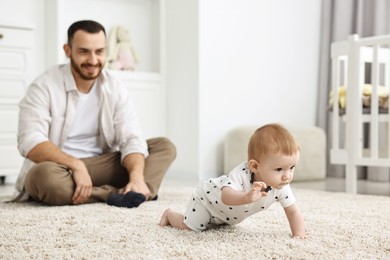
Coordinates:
(80, 135)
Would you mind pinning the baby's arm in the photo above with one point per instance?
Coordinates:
(233, 197)
(295, 218)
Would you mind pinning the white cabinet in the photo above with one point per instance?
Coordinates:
(148, 92)
(145, 20)
(16, 44)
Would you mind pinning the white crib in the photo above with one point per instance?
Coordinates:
(360, 135)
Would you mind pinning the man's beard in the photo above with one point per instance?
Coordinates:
(81, 74)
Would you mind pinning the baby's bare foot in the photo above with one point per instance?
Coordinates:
(164, 219)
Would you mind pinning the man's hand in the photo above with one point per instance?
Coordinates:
(136, 186)
(258, 191)
(135, 165)
(47, 151)
(83, 184)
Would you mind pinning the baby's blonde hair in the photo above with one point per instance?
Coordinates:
(270, 139)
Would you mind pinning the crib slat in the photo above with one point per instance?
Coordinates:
(374, 128)
(335, 106)
(353, 137)
(387, 86)
(356, 79)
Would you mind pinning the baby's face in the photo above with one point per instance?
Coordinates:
(276, 170)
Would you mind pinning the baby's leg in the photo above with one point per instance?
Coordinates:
(173, 218)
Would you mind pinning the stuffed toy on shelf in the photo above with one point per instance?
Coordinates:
(382, 92)
(121, 54)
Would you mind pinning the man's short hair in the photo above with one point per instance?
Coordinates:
(84, 25)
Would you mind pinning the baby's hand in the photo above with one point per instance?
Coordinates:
(259, 190)
(306, 236)
(300, 236)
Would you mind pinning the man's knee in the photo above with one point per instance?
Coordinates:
(50, 183)
(40, 173)
(169, 147)
(162, 145)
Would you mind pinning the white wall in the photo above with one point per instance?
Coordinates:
(183, 86)
(257, 62)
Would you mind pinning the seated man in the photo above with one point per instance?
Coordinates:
(79, 133)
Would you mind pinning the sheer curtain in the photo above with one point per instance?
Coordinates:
(339, 20)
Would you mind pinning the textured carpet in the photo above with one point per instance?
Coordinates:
(341, 226)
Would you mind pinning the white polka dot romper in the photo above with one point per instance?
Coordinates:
(206, 208)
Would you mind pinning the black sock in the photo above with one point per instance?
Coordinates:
(129, 200)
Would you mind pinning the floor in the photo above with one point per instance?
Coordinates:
(329, 184)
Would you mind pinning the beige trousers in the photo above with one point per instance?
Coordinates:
(52, 183)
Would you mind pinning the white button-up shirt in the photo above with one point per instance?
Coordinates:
(48, 110)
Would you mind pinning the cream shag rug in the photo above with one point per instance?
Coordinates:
(341, 226)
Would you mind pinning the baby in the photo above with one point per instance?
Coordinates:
(249, 188)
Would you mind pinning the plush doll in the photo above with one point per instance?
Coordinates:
(382, 92)
(342, 90)
(121, 55)
(383, 96)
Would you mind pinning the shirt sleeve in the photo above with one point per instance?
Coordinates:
(238, 179)
(286, 198)
(34, 118)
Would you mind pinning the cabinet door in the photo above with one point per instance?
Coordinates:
(15, 52)
(10, 159)
(15, 58)
(148, 93)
